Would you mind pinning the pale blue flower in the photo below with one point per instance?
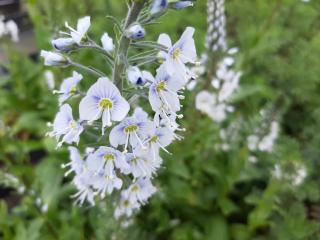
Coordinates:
(76, 163)
(105, 181)
(182, 52)
(85, 191)
(141, 164)
(82, 27)
(125, 206)
(130, 130)
(111, 158)
(68, 87)
(64, 125)
(141, 190)
(163, 92)
(104, 100)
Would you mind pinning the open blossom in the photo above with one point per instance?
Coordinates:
(76, 164)
(141, 190)
(82, 27)
(104, 100)
(68, 87)
(131, 130)
(182, 52)
(142, 164)
(64, 125)
(111, 158)
(125, 206)
(163, 92)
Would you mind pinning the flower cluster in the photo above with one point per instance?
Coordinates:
(266, 142)
(225, 83)
(9, 28)
(130, 157)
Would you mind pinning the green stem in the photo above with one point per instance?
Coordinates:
(123, 47)
(87, 69)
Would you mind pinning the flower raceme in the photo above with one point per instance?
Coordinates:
(127, 153)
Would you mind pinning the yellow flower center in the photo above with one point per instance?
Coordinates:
(126, 203)
(176, 54)
(73, 125)
(108, 157)
(153, 139)
(135, 188)
(161, 86)
(131, 129)
(105, 103)
(73, 90)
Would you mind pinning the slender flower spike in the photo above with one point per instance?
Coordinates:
(104, 100)
(135, 32)
(107, 42)
(68, 87)
(54, 59)
(182, 52)
(63, 44)
(131, 130)
(64, 125)
(82, 28)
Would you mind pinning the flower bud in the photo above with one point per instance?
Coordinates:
(181, 4)
(158, 7)
(53, 59)
(107, 42)
(135, 31)
(64, 44)
(135, 76)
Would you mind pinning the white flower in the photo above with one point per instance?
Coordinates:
(64, 125)
(68, 87)
(53, 59)
(182, 52)
(107, 42)
(104, 100)
(12, 29)
(82, 28)
(76, 164)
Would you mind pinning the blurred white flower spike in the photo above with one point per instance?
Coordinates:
(126, 155)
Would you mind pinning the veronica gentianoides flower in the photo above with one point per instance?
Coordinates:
(64, 125)
(103, 99)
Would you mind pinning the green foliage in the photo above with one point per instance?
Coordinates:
(204, 192)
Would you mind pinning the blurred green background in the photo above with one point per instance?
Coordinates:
(204, 192)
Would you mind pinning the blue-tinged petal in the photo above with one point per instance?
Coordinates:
(120, 108)
(165, 40)
(62, 120)
(89, 108)
(117, 136)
